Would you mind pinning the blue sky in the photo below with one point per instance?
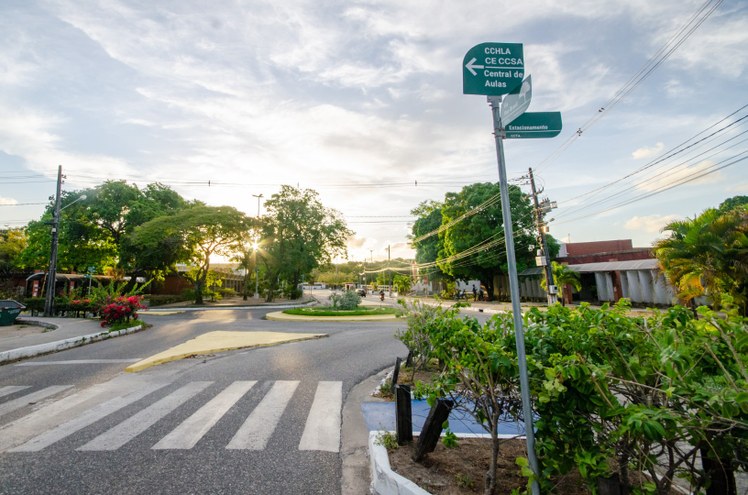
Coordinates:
(361, 100)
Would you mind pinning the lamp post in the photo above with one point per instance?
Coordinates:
(254, 251)
(49, 302)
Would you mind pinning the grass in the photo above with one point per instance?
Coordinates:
(328, 311)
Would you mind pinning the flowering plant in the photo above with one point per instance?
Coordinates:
(120, 309)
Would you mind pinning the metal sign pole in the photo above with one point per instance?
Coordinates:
(519, 334)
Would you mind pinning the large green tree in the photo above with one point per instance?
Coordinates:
(194, 235)
(299, 234)
(708, 254)
(12, 244)
(95, 225)
(470, 244)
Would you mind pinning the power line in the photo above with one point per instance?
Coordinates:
(653, 63)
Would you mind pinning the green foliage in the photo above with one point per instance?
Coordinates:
(345, 300)
(194, 235)
(299, 235)
(12, 244)
(613, 393)
(708, 255)
(388, 440)
(470, 218)
(402, 283)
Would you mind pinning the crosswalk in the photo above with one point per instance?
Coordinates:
(52, 414)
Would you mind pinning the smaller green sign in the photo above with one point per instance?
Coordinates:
(534, 125)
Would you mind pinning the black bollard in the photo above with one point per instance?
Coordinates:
(403, 415)
(432, 428)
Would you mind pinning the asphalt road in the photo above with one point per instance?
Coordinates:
(253, 421)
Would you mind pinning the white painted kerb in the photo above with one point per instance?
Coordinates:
(384, 481)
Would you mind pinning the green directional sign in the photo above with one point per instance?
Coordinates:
(534, 125)
(492, 69)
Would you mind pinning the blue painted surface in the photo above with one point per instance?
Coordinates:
(381, 416)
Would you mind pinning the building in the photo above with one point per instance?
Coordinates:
(609, 271)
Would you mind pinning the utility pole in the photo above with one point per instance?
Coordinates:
(550, 288)
(49, 302)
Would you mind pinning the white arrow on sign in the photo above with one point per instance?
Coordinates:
(516, 102)
(471, 65)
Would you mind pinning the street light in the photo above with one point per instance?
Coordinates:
(49, 302)
(255, 246)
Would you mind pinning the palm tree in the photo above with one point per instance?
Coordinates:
(708, 255)
(564, 277)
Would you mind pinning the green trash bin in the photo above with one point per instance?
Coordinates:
(9, 311)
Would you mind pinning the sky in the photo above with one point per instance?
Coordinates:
(362, 101)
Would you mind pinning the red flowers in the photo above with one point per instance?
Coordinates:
(120, 310)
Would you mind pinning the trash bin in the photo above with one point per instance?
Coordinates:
(9, 311)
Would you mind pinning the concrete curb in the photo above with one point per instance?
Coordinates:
(61, 345)
(384, 481)
(281, 316)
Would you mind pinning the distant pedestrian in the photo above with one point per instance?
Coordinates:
(475, 293)
(480, 294)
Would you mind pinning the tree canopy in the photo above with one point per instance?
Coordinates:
(708, 254)
(470, 243)
(194, 235)
(299, 234)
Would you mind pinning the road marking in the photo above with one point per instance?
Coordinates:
(11, 389)
(322, 430)
(85, 419)
(259, 426)
(187, 434)
(31, 398)
(138, 423)
(80, 361)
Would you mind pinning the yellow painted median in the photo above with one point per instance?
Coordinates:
(213, 342)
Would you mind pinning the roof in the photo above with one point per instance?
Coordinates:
(606, 266)
(616, 266)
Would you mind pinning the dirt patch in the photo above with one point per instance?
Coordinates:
(461, 470)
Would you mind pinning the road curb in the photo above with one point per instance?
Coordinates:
(61, 345)
(384, 481)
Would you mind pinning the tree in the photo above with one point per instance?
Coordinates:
(95, 231)
(565, 278)
(299, 234)
(708, 255)
(402, 283)
(194, 235)
(471, 245)
(12, 244)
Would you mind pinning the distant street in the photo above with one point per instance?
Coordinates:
(262, 421)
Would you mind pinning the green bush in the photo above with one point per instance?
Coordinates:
(345, 300)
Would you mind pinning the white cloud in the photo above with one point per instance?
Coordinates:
(642, 153)
(698, 174)
(649, 223)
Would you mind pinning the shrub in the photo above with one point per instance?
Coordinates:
(346, 300)
(121, 310)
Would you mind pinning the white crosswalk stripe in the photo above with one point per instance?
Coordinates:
(138, 423)
(187, 434)
(11, 389)
(86, 419)
(31, 398)
(322, 430)
(259, 426)
(58, 419)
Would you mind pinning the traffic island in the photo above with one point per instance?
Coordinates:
(220, 341)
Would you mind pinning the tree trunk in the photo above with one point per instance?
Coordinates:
(490, 483)
(719, 473)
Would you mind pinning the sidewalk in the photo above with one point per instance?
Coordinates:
(33, 336)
